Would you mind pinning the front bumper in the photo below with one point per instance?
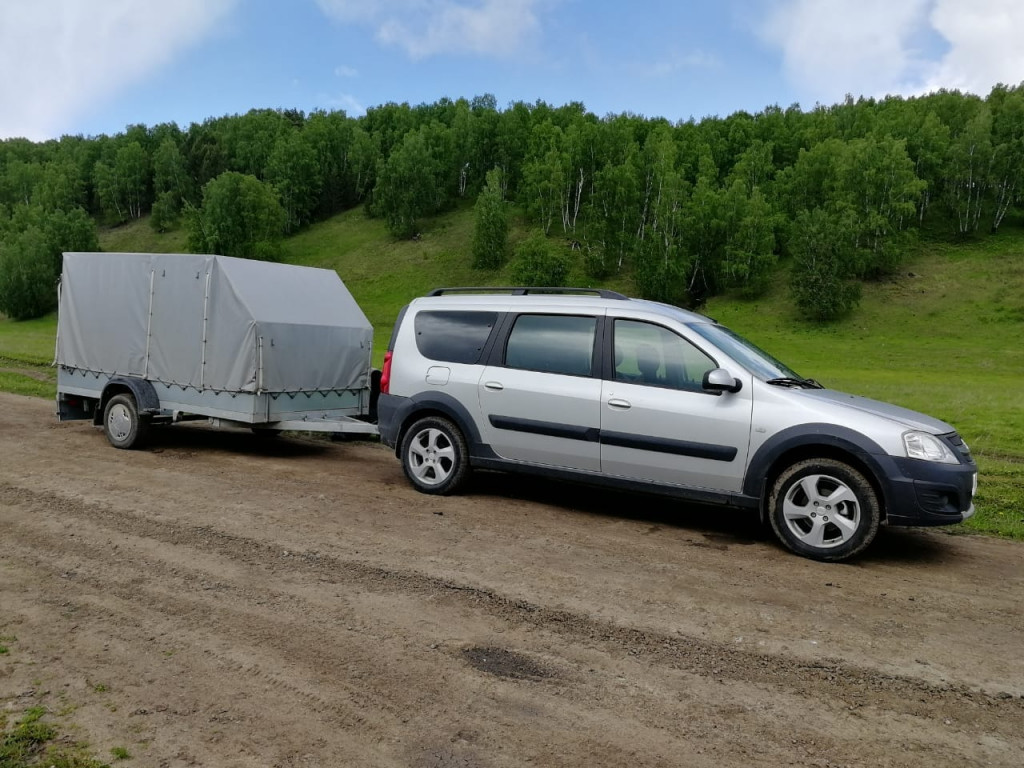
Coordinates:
(924, 493)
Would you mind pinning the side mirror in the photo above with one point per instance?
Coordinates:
(720, 380)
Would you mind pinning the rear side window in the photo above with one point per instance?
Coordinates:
(453, 337)
(552, 344)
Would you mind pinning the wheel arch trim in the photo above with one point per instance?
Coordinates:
(440, 403)
(146, 399)
(799, 441)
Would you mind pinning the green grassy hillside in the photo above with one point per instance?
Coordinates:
(945, 336)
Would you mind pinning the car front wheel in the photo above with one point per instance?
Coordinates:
(824, 509)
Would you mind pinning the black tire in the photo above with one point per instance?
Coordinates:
(122, 424)
(434, 456)
(824, 509)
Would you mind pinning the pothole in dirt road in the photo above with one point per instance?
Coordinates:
(504, 663)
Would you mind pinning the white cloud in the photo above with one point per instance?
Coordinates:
(986, 40)
(428, 27)
(60, 57)
(344, 71)
(874, 47)
(834, 47)
(346, 101)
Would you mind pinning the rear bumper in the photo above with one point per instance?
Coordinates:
(923, 493)
(391, 411)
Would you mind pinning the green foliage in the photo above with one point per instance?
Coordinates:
(406, 186)
(545, 176)
(705, 204)
(68, 231)
(750, 257)
(660, 277)
(704, 230)
(294, 171)
(967, 171)
(249, 140)
(170, 173)
(490, 231)
(28, 281)
(61, 187)
(1007, 170)
(615, 212)
(166, 212)
(868, 183)
(171, 184)
(240, 216)
(536, 263)
(123, 183)
(822, 265)
(120, 753)
(664, 257)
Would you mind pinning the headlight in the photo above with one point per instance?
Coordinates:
(921, 445)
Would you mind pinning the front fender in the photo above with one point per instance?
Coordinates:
(827, 436)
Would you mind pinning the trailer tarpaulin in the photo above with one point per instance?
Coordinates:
(212, 322)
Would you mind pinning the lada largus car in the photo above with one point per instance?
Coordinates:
(597, 387)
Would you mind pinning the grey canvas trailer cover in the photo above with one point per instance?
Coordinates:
(148, 339)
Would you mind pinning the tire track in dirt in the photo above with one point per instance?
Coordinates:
(376, 702)
(856, 686)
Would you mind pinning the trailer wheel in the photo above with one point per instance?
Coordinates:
(434, 456)
(122, 424)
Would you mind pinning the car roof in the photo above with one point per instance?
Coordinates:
(531, 299)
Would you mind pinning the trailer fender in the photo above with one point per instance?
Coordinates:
(146, 399)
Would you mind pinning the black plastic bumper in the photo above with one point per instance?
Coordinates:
(921, 493)
(389, 417)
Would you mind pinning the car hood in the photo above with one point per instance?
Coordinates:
(910, 419)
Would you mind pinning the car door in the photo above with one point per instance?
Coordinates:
(657, 422)
(540, 399)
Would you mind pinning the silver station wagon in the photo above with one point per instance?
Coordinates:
(596, 387)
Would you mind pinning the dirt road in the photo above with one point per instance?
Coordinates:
(220, 600)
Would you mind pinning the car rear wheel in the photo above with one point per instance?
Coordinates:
(434, 456)
(824, 509)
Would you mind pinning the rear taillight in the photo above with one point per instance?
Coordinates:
(385, 374)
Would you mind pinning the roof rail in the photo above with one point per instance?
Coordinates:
(523, 291)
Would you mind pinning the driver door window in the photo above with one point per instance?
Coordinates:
(653, 356)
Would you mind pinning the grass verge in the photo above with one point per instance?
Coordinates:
(30, 743)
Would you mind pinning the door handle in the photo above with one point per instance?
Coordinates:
(619, 404)
(494, 386)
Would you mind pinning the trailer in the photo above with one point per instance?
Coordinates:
(152, 339)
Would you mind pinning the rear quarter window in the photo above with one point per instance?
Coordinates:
(453, 336)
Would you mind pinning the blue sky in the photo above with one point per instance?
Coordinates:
(95, 66)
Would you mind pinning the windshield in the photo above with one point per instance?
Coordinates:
(754, 359)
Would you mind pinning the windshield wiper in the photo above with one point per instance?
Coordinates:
(788, 381)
